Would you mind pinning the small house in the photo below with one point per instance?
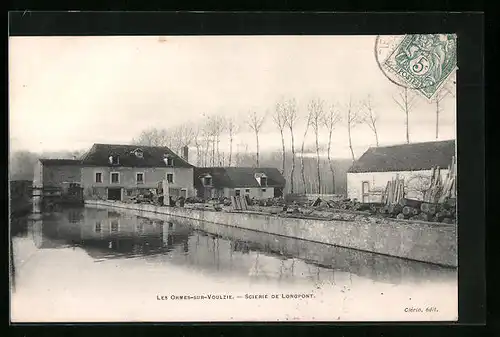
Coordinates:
(57, 173)
(58, 181)
(368, 176)
(256, 182)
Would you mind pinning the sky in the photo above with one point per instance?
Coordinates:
(66, 93)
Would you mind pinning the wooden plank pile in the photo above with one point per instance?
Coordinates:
(441, 190)
(449, 189)
(239, 203)
(394, 191)
(438, 204)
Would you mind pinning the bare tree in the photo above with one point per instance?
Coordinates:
(419, 184)
(279, 120)
(211, 130)
(290, 117)
(330, 121)
(232, 129)
(317, 112)
(370, 117)
(255, 123)
(353, 119)
(184, 136)
(241, 157)
(206, 140)
(302, 169)
(151, 137)
(440, 95)
(197, 143)
(406, 100)
(216, 125)
(220, 125)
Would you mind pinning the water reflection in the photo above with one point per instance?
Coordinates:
(217, 250)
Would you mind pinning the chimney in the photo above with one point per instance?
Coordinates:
(185, 153)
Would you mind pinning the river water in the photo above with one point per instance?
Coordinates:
(93, 264)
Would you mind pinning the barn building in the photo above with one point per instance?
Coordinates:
(368, 176)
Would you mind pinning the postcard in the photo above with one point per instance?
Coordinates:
(233, 178)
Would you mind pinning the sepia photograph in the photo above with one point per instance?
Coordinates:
(245, 178)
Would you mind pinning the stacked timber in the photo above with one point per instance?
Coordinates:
(239, 203)
(394, 191)
(411, 209)
(449, 185)
(436, 187)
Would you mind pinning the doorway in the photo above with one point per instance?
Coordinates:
(365, 191)
(115, 194)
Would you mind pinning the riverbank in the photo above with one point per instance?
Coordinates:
(426, 242)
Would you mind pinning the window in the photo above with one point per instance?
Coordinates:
(114, 225)
(98, 177)
(247, 190)
(170, 178)
(263, 190)
(129, 193)
(263, 181)
(98, 226)
(139, 177)
(237, 192)
(208, 181)
(168, 160)
(115, 177)
(114, 159)
(138, 153)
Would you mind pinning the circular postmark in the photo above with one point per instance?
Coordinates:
(421, 61)
(385, 46)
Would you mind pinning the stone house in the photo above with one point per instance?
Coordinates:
(368, 176)
(57, 173)
(120, 172)
(57, 181)
(256, 182)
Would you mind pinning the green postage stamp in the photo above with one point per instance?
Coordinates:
(424, 61)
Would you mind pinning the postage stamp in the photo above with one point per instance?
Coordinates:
(424, 61)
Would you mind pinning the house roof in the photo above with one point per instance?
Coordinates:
(406, 157)
(63, 162)
(239, 176)
(153, 156)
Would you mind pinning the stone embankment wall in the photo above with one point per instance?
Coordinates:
(421, 241)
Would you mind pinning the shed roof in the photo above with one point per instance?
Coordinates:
(406, 157)
(234, 177)
(153, 156)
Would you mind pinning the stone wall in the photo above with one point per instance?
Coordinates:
(420, 241)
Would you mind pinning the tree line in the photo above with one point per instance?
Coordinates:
(319, 120)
